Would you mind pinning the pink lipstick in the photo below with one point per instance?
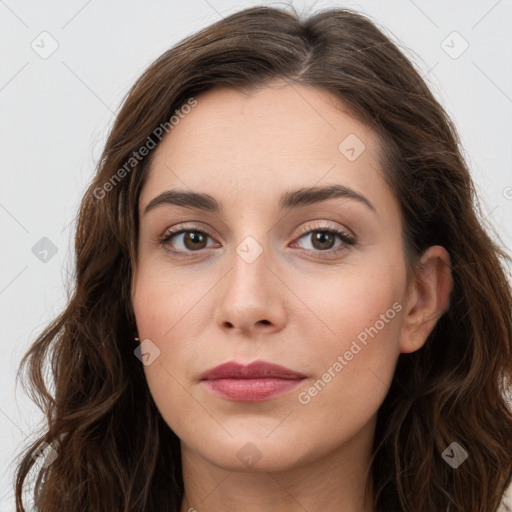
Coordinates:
(255, 382)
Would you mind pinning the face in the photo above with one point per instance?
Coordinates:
(312, 282)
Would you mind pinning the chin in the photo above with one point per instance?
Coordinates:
(252, 454)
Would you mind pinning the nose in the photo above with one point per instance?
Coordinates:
(251, 297)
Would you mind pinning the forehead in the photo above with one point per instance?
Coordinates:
(268, 140)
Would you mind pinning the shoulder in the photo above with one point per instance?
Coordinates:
(506, 502)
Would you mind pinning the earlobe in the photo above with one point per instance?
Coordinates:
(428, 298)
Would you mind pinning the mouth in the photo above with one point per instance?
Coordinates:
(255, 382)
(251, 390)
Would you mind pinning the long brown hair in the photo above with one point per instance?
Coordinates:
(114, 451)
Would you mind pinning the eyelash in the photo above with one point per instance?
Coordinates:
(348, 240)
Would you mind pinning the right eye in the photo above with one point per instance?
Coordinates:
(190, 239)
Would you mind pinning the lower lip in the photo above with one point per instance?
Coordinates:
(251, 390)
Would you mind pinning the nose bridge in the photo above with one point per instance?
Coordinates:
(250, 275)
(252, 251)
(250, 293)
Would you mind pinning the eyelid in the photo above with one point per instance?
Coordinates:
(319, 226)
(186, 226)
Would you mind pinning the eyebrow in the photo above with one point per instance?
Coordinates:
(293, 199)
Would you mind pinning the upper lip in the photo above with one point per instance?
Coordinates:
(254, 370)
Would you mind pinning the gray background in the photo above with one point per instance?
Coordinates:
(56, 112)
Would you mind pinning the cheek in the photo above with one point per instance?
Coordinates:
(165, 310)
(162, 299)
(155, 315)
(347, 303)
(360, 325)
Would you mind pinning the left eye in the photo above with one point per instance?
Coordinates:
(324, 239)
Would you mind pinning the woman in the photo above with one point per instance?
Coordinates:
(284, 299)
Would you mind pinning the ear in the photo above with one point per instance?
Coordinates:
(427, 299)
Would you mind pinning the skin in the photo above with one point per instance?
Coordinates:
(291, 306)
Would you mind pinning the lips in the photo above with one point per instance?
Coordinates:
(255, 370)
(255, 382)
